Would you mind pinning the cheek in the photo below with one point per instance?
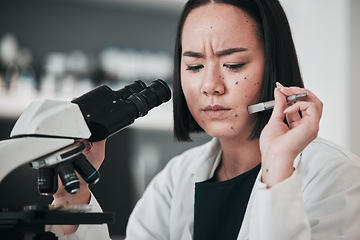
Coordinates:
(191, 85)
(247, 87)
(248, 83)
(190, 92)
(185, 85)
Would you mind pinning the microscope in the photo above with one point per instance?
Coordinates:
(48, 136)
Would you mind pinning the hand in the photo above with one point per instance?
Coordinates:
(281, 143)
(95, 154)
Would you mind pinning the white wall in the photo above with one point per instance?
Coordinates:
(324, 33)
(354, 124)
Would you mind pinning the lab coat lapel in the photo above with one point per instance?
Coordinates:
(202, 170)
(245, 227)
(188, 206)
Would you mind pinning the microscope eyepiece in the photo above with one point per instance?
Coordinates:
(152, 96)
(159, 89)
(130, 89)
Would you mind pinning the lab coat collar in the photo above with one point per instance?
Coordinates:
(203, 169)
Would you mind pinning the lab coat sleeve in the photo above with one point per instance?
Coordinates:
(279, 213)
(319, 201)
(84, 231)
(150, 218)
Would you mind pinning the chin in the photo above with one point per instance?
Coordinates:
(223, 133)
(227, 131)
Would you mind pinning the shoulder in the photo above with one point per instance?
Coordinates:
(325, 152)
(193, 158)
(181, 169)
(324, 163)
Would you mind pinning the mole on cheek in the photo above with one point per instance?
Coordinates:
(236, 115)
(237, 83)
(245, 78)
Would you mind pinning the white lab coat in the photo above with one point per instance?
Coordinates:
(321, 200)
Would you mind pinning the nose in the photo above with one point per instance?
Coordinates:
(213, 83)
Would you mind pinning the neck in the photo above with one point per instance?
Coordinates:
(238, 157)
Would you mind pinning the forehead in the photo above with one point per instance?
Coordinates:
(221, 24)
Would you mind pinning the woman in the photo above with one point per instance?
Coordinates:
(260, 177)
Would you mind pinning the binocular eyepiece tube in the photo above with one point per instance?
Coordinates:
(106, 111)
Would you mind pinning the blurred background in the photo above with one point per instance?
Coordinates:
(60, 49)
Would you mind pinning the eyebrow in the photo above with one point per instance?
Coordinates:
(230, 51)
(219, 53)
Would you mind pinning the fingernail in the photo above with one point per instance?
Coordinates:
(286, 110)
(279, 84)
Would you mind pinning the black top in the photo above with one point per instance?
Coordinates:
(220, 206)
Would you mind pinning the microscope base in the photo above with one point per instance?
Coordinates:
(14, 225)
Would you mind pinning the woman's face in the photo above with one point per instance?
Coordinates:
(222, 69)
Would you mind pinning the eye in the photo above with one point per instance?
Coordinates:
(234, 67)
(194, 68)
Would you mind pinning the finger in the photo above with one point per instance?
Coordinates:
(95, 152)
(308, 126)
(88, 145)
(311, 97)
(292, 118)
(288, 91)
(280, 104)
(99, 146)
(310, 111)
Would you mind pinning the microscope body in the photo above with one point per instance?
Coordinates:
(46, 134)
(44, 127)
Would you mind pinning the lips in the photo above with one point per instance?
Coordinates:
(215, 111)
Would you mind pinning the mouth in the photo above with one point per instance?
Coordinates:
(215, 108)
(215, 111)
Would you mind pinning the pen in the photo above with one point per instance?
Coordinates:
(270, 104)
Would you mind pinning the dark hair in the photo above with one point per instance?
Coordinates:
(281, 64)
